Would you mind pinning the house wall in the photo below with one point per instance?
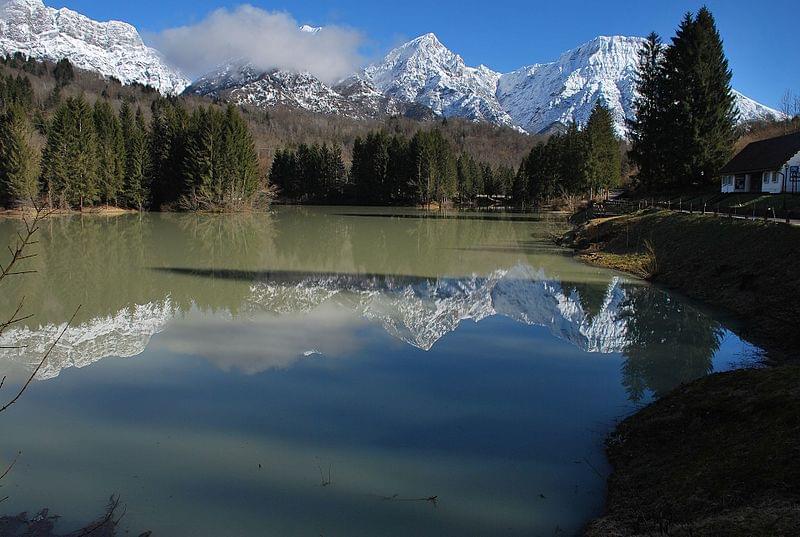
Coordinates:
(772, 182)
(729, 184)
(791, 187)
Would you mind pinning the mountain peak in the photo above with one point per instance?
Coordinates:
(113, 49)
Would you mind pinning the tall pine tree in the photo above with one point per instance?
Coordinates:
(19, 159)
(700, 112)
(110, 153)
(69, 161)
(603, 160)
(647, 128)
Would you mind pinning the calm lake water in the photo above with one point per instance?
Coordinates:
(327, 371)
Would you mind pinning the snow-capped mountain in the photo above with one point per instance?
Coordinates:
(562, 92)
(425, 72)
(242, 83)
(113, 49)
(535, 99)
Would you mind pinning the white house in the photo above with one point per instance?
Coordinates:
(771, 166)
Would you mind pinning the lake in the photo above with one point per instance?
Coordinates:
(331, 371)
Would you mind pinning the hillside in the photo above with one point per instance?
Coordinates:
(281, 126)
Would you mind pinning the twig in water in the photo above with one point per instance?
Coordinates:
(325, 482)
(431, 499)
(595, 470)
(113, 505)
(10, 466)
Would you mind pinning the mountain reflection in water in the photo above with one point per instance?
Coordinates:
(664, 342)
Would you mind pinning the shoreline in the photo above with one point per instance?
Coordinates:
(105, 210)
(668, 477)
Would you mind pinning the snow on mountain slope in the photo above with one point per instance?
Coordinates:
(540, 96)
(750, 110)
(425, 72)
(562, 92)
(110, 48)
(243, 83)
(300, 90)
(310, 29)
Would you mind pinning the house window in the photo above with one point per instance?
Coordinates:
(767, 177)
(740, 182)
(774, 177)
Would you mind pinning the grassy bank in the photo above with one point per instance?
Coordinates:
(716, 457)
(747, 268)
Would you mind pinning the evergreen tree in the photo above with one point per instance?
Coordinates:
(505, 177)
(167, 152)
(221, 167)
(519, 188)
(603, 159)
(134, 133)
(569, 171)
(700, 113)
(647, 129)
(69, 161)
(16, 90)
(19, 159)
(241, 161)
(63, 72)
(110, 153)
(203, 179)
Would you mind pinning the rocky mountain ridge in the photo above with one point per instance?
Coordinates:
(535, 99)
(112, 49)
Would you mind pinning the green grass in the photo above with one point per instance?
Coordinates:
(741, 203)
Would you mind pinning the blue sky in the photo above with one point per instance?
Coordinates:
(763, 49)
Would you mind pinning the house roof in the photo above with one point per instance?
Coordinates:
(768, 154)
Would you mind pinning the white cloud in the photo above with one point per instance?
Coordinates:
(267, 39)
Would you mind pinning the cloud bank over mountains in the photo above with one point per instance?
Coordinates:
(265, 39)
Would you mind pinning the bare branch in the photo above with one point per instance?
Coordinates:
(10, 466)
(42, 362)
(23, 242)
